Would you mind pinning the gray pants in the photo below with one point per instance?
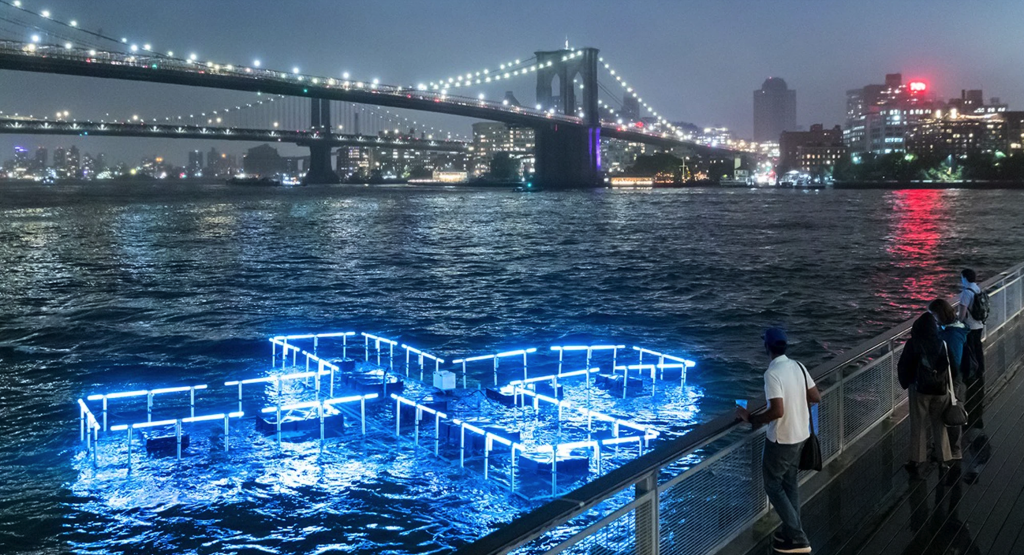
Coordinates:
(926, 422)
(779, 468)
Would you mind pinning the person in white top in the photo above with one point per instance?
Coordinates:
(975, 328)
(790, 391)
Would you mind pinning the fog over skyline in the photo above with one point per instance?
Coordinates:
(695, 61)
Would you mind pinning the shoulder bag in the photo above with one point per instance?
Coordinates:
(954, 415)
(810, 454)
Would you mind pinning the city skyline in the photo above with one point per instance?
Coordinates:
(703, 75)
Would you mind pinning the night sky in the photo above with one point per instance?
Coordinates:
(695, 61)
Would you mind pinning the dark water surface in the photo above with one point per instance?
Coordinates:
(116, 286)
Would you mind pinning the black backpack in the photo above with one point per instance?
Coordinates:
(980, 307)
(931, 380)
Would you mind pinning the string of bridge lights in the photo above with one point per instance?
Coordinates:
(632, 92)
(504, 71)
(148, 49)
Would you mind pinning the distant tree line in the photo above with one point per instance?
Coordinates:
(900, 166)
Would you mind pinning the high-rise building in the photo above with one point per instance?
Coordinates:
(21, 156)
(879, 116)
(42, 156)
(195, 161)
(60, 158)
(74, 160)
(774, 110)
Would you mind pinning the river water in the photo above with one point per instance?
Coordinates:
(108, 287)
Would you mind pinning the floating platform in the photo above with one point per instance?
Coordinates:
(302, 424)
(166, 445)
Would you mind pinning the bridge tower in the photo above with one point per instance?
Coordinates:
(568, 155)
(320, 170)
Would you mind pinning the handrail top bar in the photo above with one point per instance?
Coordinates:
(143, 392)
(423, 353)
(320, 360)
(410, 402)
(516, 352)
(496, 355)
(562, 509)
(657, 354)
(379, 338)
(189, 419)
(687, 364)
(586, 347)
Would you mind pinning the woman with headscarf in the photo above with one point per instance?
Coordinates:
(923, 371)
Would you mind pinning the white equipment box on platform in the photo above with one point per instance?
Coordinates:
(444, 380)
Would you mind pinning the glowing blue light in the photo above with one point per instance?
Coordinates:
(204, 418)
(174, 389)
(689, 363)
(381, 339)
(515, 353)
(424, 354)
(154, 424)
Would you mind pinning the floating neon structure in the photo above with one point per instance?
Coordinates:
(303, 406)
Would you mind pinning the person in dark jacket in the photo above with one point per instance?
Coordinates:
(922, 370)
(954, 333)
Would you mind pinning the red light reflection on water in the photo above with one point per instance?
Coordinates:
(918, 221)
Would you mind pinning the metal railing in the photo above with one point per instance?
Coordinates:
(696, 493)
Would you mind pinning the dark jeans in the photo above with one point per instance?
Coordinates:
(779, 467)
(976, 348)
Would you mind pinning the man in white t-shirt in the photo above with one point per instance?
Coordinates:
(974, 328)
(789, 389)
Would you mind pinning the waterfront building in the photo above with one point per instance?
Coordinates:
(352, 161)
(618, 156)
(1014, 131)
(879, 116)
(815, 152)
(490, 138)
(774, 110)
(958, 135)
(263, 160)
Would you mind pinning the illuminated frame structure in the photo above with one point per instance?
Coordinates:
(379, 352)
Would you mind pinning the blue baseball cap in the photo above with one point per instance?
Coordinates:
(774, 336)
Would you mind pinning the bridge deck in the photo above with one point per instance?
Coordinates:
(871, 505)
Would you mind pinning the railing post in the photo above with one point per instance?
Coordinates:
(648, 535)
(893, 361)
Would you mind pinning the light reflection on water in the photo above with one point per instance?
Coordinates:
(107, 286)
